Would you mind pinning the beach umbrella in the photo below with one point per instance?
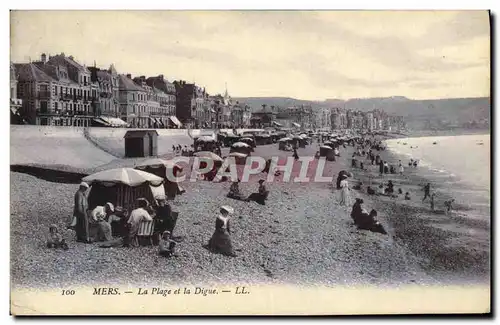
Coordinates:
(237, 155)
(205, 138)
(297, 137)
(326, 147)
(158, 162)
(208, 154)
(246, 139)
(284, 139)
(240, 145)
(126, 176)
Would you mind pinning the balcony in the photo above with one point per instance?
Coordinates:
(16, 102)
(44, 95)
(66, 97)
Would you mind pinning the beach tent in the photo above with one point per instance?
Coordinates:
(241, 147)
(324, 150)
(163, 168)
(239, 158)
(208, 155)
(122, 187)
(248, 140)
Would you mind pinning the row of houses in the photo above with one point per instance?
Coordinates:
(326, 118)
(57, 90)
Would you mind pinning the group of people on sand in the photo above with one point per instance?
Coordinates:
(113, 226)
(260, 196)
(448, 204)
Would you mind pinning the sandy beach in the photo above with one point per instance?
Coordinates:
(301, 236)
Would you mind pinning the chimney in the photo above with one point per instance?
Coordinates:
(129, 76)
(44, 57)
(160, 77)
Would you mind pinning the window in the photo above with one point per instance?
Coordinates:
(56, 108)
(43, 107)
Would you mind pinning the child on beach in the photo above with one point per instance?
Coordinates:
(448, 206)
(407, 196)
(432, 201)
(55, 239)
(427, 190)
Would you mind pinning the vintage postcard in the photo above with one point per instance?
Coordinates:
(250, 162)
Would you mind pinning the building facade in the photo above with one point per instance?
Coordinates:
(15, 102)
(133, 102)
(108, 91)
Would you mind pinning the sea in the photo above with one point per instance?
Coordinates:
(458, 165)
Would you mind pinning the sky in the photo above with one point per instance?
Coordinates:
(311, 55)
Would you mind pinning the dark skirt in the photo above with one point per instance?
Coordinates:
(221, 242)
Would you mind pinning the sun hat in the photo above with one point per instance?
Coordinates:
(83, 184)
(227, 208)
(110, 206)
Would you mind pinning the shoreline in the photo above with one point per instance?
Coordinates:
(445, 245)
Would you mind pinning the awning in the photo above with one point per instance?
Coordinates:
(113, 121)
(297, 125)
(276, 123)
(175, 120)
(102, 121)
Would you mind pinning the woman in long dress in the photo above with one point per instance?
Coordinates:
(221, 240)
(344, 191)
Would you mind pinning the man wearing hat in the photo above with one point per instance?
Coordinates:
(80, 212)
(261, 196)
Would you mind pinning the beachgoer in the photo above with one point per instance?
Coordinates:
(381, 167)
(220, 242)
(261, 196)
(80, 211)
(361, 165)
(432, 201)
(166, 220)
(336, 152)
(55, 239)
(295, 154)
(401, 168)
(377, 159)
(390, 188)
(407, 196)
(410, 163)
(354, 161)
(344, 191)
(427, 191)
(100, 215)
(386, 167)
(366, 221)
(234, 191)
(166, 245)
(370, 190)
(448, 205)
(415, 162)
(136, 217)
(381, 189)
(340, 177)
(118, 221)
(358, 187)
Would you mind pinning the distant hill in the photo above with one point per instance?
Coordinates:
(420, 114)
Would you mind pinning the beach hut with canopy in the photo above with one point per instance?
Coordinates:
(283, 142)
(204, 143)
(250, 140)
(241, 147)
(122, 187)
(206, 157)
(164, 169)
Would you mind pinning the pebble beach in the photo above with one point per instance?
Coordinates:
(301, 236)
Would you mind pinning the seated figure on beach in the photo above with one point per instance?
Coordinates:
(220, 242)
(370, 190)
(100, 216)
(390, 188)
(234, 191)
(358, 186)
(340, 177)
(55, 239)
(261, 196)
(118, 221)
(166, 246)
(136, 217)
(407, 196)
(366, 221)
